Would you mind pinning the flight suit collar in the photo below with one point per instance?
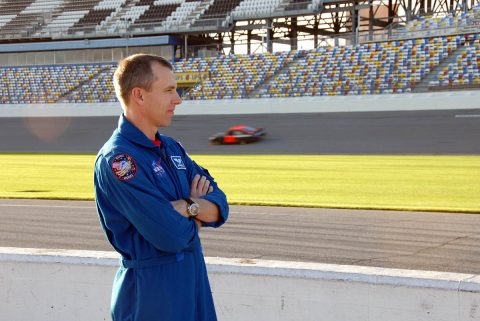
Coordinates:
(133, 134)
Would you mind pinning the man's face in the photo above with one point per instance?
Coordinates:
(160, 102)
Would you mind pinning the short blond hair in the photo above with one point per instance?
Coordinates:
(136, 71)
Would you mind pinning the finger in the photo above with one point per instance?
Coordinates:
(194, 186)
(201, 185)
(210, 189)
(205, 187)
(201, 181)
(195, 180)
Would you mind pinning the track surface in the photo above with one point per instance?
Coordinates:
(400, 132)
(425, 241)
(410, 240)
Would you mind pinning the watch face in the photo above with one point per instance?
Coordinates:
(193, 209)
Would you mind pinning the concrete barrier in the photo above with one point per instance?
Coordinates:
(317, 104)
(57, 285)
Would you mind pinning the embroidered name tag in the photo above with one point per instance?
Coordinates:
(178, 162)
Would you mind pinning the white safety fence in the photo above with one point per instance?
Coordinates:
(61, 285)
(323, 104)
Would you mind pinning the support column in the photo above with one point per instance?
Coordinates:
(185, 46)
(315, 32)
(409, 10)
(293, 34)
(336, 27)
(354, 23)
(391, 12)
(269, 35)
(428, 9)
(370, 19)
(232, 42)
(249, 42)
(421, 10)
(220, 43)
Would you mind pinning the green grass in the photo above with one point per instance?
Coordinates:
(429, 183)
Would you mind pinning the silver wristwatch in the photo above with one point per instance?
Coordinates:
(192, 208)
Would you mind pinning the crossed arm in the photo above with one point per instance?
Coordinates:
(209, 212)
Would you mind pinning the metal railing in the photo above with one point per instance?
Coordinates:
(219, 24)
(201, 25)
(403, 33)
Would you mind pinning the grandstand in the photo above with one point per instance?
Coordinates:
(361, 51)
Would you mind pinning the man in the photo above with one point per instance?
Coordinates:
(152, 200)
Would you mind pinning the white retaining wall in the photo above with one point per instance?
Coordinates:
(324, 104)
(56, 285)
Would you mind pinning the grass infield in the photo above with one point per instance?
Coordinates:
(423, 183)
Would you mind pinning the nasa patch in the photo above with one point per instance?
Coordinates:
(124, 167)
(157, 168)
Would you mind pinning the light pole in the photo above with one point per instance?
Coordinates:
(126, 26)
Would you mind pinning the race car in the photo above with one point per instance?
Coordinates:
(239, 134)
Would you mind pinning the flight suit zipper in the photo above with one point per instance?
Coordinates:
(170, 168)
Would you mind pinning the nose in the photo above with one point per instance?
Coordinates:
(177, 99)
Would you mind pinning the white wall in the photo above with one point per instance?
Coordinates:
(423, 101)
(55, 285)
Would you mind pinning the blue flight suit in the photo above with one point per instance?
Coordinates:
(162, 276)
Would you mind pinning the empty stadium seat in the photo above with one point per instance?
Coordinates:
(45, 84)
(464, 72)
(373, 68)
(219, 10)
(233, 76)
(368, 69)
(255, 8)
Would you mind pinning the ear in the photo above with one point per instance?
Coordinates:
(137, 95)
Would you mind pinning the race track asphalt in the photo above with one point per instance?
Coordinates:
(408, 240)
(400, 132)
(413, 240)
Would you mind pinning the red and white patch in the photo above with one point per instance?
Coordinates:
(124, 167)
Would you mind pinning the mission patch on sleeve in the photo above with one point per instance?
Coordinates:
(124, 167)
